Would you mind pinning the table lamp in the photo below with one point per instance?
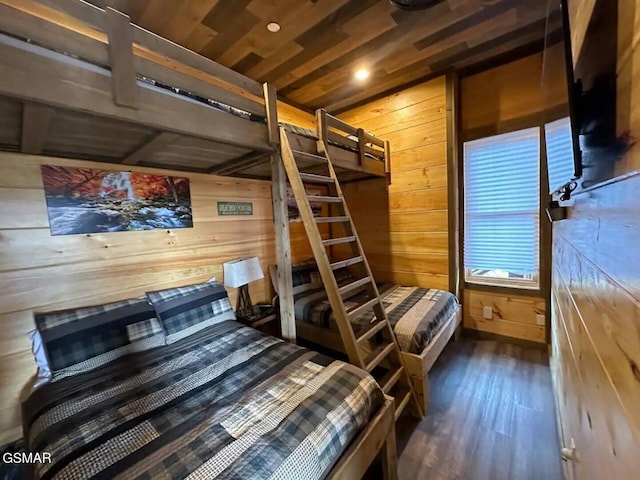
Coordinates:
(239, 274)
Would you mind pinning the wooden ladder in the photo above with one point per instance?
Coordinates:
(375, 348)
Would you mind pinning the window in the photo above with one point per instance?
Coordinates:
(559, 153)
(502, 209)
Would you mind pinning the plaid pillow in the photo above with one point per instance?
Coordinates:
(305, 275)
(305, 272)
(184, 311)
(81, 339)
(144, 329)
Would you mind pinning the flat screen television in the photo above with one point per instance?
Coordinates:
(580, 135)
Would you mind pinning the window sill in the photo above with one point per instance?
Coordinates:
(505, 289)
(498, 282)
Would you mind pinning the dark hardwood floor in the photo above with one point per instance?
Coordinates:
(491, 416)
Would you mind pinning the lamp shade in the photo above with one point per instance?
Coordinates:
(242, 272)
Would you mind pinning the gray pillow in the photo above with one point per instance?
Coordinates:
(82, 339)
(184, 311)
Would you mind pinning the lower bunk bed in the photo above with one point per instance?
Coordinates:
(212, 399)
(423, 320)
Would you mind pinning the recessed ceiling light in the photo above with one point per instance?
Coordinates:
(273, 27)
(362, 74)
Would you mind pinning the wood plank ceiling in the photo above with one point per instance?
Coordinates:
(312, 59)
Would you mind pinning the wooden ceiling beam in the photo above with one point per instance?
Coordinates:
(386, 45)
(363, 29)
(36, 122)
(437, 64)
(157, 143)
(505, 25)
(294, 17)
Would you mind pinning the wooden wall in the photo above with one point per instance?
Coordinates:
(404, 226)
(596, 298)
(505, 97)
(295, 116)
(499, 100)
(580, 12)
(596, 330)
(39, 272)
(513, 315)
(628, 98)
(299, 240)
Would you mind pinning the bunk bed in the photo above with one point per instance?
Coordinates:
(81, 82)
(424, 320)
(149, 102)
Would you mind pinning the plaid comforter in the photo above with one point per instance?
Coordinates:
(416, 314)
(228, 402)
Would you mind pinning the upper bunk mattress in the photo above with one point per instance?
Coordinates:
(229, 402)
(415, 313)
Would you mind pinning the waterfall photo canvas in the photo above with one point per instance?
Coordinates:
(91, 200)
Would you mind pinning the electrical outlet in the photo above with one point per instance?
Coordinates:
(487, 312)
(540, 319)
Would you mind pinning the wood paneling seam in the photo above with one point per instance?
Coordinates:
(631, 297)
(635, 428)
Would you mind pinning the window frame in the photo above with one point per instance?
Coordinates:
(522, 286)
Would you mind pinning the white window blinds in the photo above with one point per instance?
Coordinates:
(559, 153)
(502, 202)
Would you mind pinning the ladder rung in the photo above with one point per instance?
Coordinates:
(309, 156)
(377, 355)
(359, 310)
(331, 219)
(352, 286)
(338, 241)
(373, 328)
(346, 263)
(390, 379)
(324, 199)
(402, 397)
(312, 178)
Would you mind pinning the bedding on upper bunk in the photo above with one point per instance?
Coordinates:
(305, 132)
(415, 313)
(227, 402)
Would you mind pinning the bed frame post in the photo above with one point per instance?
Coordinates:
(389, 456)
(321, 126)
(123, 72)
(387, 160)
(362, 142)
(281, 220)
(378, 439)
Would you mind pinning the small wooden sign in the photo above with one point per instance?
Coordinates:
(235, 208)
